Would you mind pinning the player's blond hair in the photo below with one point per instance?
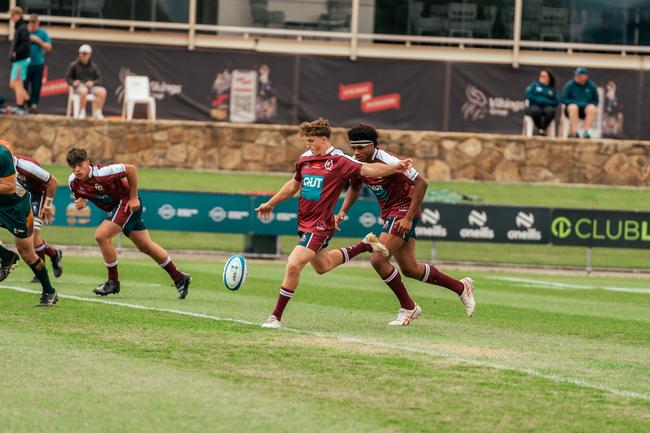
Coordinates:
(316, 128)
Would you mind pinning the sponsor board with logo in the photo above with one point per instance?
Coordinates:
(235, 213)
(483, 223)
(600, 228)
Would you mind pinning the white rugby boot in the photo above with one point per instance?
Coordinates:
(467, 297)
(377, 247)
(272, 322)
(405, 317)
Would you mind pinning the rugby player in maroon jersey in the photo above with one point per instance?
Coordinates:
(321, 174)
(114, 189)
(41, 184)
(400, 197)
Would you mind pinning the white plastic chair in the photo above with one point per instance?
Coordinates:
(596, 130)
(529, 127)
(136, 91)
(74, 102)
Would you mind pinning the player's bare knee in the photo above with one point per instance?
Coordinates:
(293, 268)
(377, 261)
(320, 269)
(102, 238)
(410, 272)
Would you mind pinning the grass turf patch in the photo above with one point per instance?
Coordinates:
(100, 367)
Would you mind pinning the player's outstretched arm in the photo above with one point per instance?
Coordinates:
(378, 169)
(351, 197)
(50, 190)
(132, 178)
(287, 191)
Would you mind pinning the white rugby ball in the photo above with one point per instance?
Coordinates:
(235, 272)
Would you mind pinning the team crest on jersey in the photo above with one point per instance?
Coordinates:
(98, 187)
(329, 164)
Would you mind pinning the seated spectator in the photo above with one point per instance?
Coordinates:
(580, 97)
(19, 57)
(542, 100)
(84, 76)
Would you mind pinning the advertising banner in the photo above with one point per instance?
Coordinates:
(469, 223)
(386, 93)
(247, 86)
(187, 85)
(490, 98)
(235, 213)
(221, 213)
(600, 228)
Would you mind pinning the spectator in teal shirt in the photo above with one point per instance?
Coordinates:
(542, 100)
(580, 97)
(40, 44)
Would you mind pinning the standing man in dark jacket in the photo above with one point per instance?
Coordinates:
(580, 97)
(41, 43)
(84, 76)
(19, 57)
(542, 100)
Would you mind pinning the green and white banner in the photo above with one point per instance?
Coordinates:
(235, 213)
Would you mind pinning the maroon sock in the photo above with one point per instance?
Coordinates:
(434, 276)
(112, 271)
(51, 252)
(41, 250)
(283, 299)
(169, 266)
(354, 250)
(394, 281)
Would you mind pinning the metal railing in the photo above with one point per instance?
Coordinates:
(194, 35)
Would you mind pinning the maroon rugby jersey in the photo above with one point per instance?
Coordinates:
(393, 192)
(32, 174)
(106, 186)
(322, 179)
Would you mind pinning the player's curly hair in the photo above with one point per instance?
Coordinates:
(362, 132)
(76, 156)
(316, 128)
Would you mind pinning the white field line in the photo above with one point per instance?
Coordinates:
(567, 286)
(360, 341)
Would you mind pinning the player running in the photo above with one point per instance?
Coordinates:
(17, 217)
(41, 184)
(114, 189)
(321, 173)
(400, 198)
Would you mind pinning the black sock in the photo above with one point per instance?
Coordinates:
(5, 254)
(39, 269)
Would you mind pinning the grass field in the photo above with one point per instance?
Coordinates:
(544, 353)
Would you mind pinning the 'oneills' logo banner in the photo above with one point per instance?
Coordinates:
(600, 228)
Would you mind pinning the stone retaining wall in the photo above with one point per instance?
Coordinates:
(438, 155)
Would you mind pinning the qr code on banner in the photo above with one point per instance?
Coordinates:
(243, 96)
(242, 104)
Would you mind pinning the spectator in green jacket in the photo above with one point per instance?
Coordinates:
(542, 100)
(580, 97)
